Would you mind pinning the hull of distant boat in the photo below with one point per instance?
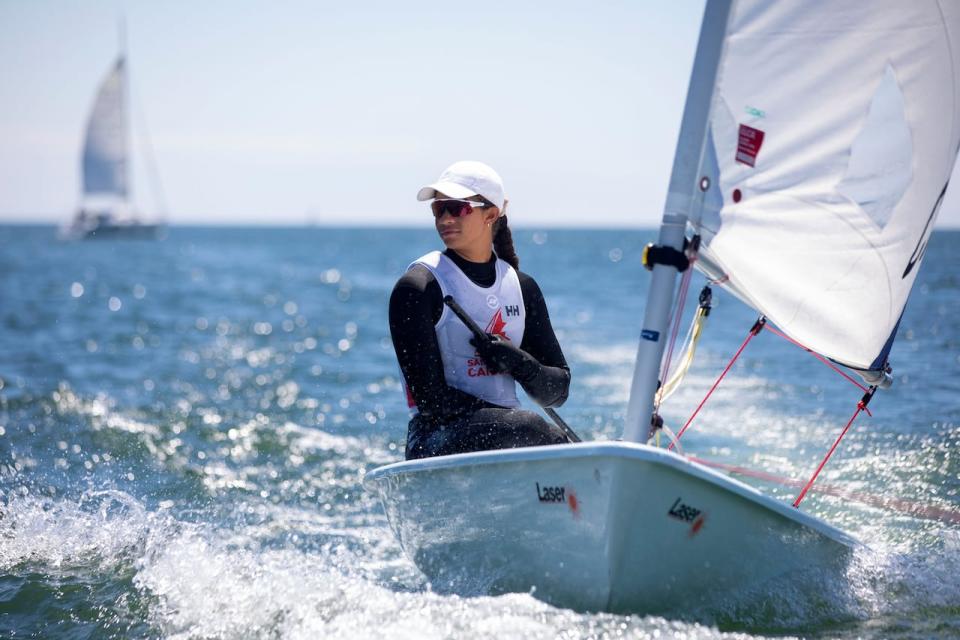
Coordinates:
(104, 227)
(614, 527)
(132, 231)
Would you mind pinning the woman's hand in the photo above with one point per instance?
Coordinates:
(502, 356)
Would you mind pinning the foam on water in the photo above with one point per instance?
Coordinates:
(204, 582)
(100, 528)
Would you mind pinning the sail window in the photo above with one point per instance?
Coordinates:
(880, 167)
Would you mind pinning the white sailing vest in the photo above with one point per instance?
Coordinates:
(498, 309)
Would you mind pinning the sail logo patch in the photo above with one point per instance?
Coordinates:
(749, 142)
(650, 334)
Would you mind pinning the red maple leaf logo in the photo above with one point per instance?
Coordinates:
(497, 325)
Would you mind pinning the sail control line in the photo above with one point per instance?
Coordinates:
(861, 406)
(759, 325)
(754, 330)
(688, 350)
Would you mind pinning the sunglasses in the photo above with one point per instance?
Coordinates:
(455, 208)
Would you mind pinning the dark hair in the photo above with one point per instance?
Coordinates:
(503, 243)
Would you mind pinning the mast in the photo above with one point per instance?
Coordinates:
(681, 198)
(122, 36)
(125, 101)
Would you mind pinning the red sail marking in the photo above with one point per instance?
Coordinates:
(749, 142)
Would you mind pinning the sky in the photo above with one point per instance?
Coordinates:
(314, 112)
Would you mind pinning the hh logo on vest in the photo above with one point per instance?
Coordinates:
(475, 366)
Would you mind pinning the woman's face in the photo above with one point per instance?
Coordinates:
(471, 234)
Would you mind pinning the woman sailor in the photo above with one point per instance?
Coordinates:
(462, 391)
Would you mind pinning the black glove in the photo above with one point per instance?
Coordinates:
(501, 356)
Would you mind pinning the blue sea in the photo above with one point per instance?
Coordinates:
(185, 423)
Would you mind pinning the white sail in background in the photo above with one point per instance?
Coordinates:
(105, 146)
(834, 130)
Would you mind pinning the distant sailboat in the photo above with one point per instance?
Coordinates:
(106, 207)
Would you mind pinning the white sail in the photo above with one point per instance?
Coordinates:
(834, 129)
(105, 146)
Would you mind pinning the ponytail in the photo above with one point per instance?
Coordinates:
(503, 243)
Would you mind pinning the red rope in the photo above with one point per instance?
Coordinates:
(753, 331)
(861, 406)
(928, 512)
(818, 357)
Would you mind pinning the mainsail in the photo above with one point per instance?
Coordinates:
(833, 132)
(105, 146)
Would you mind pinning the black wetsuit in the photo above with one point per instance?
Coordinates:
(453, 421)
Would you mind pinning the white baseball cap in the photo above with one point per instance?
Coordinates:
(464, 179)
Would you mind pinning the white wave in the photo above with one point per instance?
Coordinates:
(300, 573)
(205, 582)
(310, 439)
(899, 580)
(612, 355)
(100, 411)
(100, 528)
(209, 590)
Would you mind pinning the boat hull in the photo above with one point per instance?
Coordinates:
(606, 527)
(92, 225)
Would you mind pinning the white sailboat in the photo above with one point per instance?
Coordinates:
(815, 148)
(106, 206)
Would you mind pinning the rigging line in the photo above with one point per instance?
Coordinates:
(664, 391)
(818, 357)
(677, 313)
(861, 406)
(927, 512)
(150, 160)
(754, 330)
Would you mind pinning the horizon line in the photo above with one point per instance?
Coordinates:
(373, 224)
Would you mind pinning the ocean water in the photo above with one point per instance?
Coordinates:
(184, 426)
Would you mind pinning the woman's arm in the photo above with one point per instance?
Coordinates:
(415, 306)
(548, 382)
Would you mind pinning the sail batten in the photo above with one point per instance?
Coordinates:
(832, 135)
